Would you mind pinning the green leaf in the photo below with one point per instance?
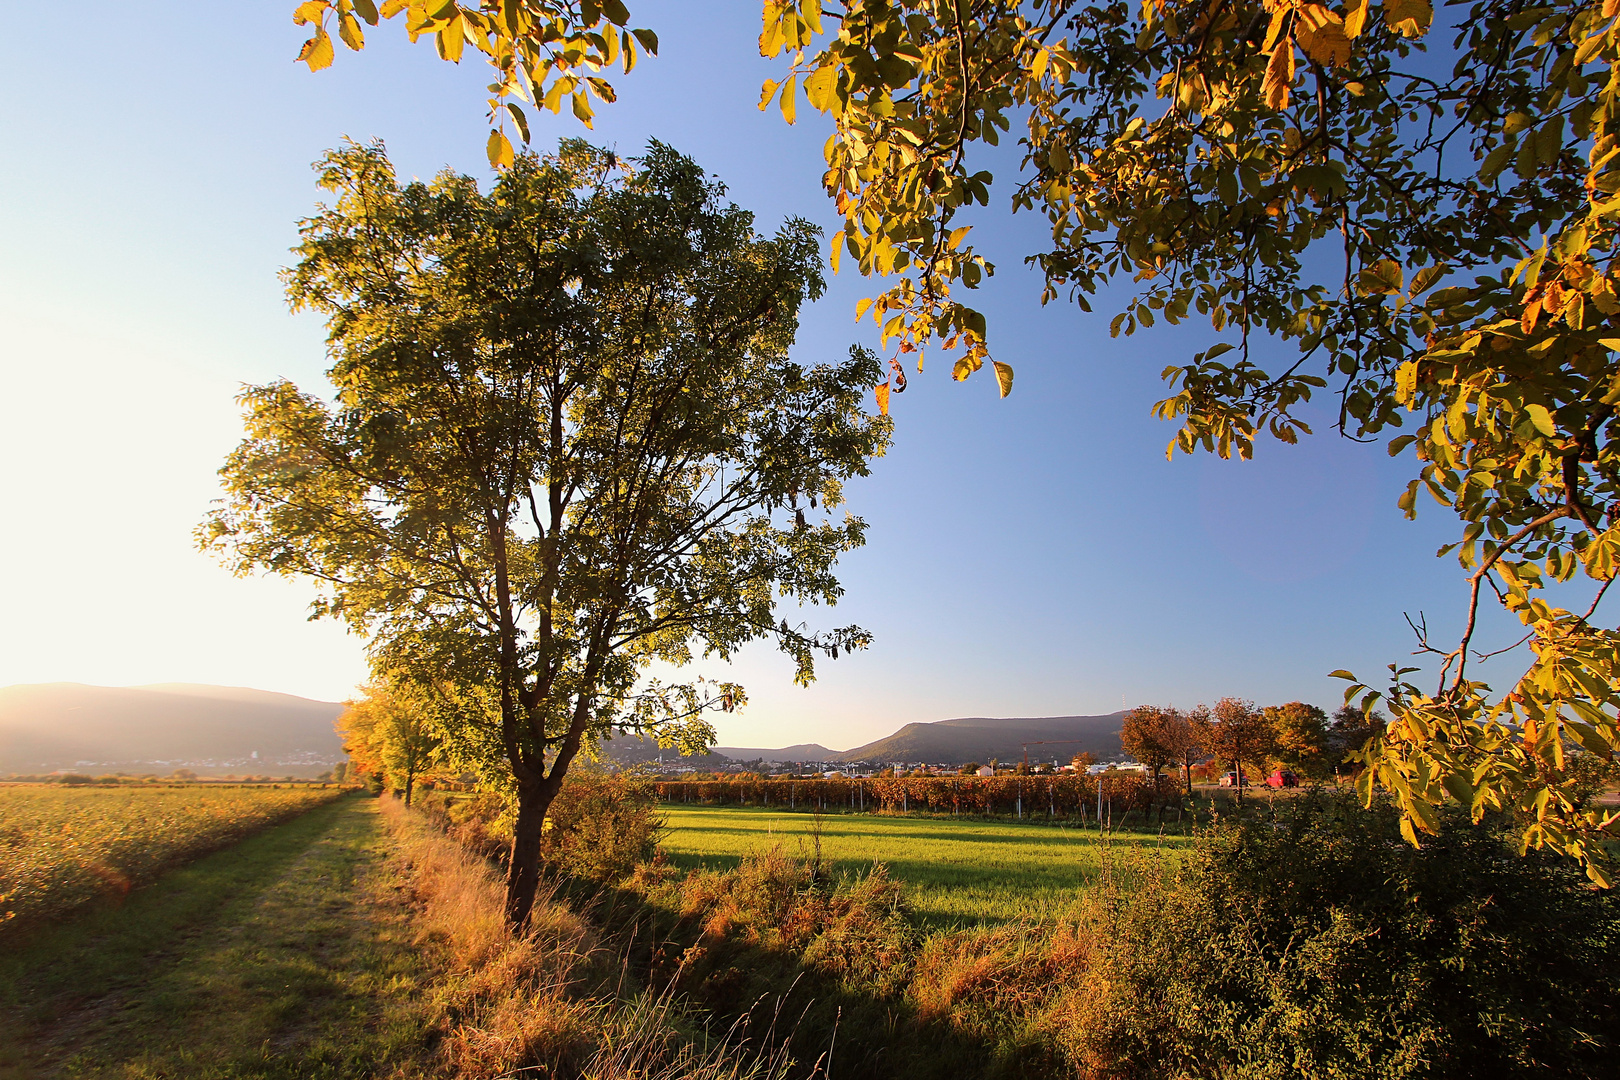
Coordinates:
(1342, 674)
(616, 12)
(367, 11)
(648, 39)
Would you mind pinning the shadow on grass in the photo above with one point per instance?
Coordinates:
(853, 1029)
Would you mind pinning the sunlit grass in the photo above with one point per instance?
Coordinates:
(962, 872)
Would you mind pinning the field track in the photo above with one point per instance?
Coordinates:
(287, 955)
(962, 872)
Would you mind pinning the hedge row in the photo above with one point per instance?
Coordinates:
(1054, 796)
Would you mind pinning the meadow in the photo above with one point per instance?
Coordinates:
(64, 847)
(959, 872)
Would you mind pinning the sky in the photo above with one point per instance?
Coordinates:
(1029, 556)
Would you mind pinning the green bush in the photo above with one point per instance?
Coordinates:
(1315, 943)
(600, 827)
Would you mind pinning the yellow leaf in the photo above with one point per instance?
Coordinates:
(767, 92)
(1278, 17)
(1279, 74)
(349, 30)
(582, 108)
(317, 51)
(1355, 18)
(883, 398)
(500, 150)
(311, 11)
(1004, 376)
(1321, 34)
(1406, 383)
(1611, 8)
(819, 87)
(790, 95)
(451, 39)
(1409, 18)
(957, 236)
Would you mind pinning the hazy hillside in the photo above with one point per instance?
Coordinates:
(800, 752)
(638, 750)
(209, 729)
(979, 738)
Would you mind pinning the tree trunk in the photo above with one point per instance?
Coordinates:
(410, 782)
(523, 874)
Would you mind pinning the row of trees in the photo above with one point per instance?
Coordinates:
(1299, 736)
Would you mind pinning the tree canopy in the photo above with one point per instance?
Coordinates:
(1417, 222)
(568, 444)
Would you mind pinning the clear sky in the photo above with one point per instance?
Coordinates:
(1031, 556)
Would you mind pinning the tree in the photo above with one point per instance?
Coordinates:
(392, 725)
(1145, 736)
(1350, 732)
(1182, 735)
(1301, 733)
(567, 443)
(1239, 733)
(1435, 244)
(1084, 760)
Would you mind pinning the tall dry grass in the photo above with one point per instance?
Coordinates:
(548, 1003)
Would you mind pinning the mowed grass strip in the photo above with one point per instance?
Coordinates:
(64, 847)
(292, 954)
(962, 872)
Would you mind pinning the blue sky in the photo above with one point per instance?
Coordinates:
(1031, 556)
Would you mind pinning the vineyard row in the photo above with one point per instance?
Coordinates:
(1055, 796)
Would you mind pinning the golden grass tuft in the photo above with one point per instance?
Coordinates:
(507, 1001)
(543, 1004)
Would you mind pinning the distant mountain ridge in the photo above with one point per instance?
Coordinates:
(799, 752)
(980, 738)
(47, 727)
(964, 739)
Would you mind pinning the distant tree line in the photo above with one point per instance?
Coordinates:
(1236, 734)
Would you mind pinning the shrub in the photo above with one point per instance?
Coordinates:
(600, 827)
(1315, 944)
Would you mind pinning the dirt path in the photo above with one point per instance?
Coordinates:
(289, 955)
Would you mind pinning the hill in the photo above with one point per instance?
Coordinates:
(799, 752)
(980, 738)
(214, 730)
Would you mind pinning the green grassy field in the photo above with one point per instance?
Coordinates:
(962, 872)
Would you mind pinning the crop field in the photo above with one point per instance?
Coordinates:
(61, 847)
(962, 872)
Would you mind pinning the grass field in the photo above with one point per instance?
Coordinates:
(63, 847)
(961, 872)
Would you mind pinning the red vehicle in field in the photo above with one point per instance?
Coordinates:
(1282, 778)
